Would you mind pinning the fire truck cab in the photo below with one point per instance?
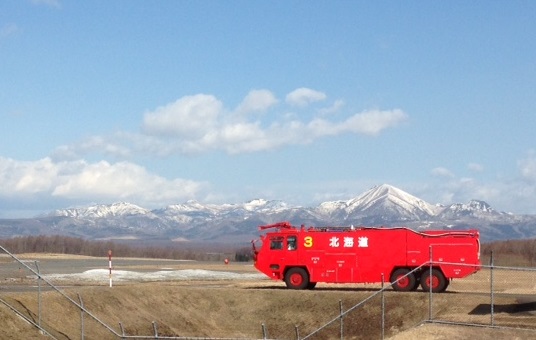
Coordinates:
(302, 257)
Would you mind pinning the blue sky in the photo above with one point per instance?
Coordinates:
(156, 103)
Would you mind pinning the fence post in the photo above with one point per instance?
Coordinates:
(430, 297)
(491, 287)
(340, 314)
(383, 307)
(263, 330)
(297, 332)
(110, 265)
(38, 294)
(155, 330)
(81, 317)
(122, 330)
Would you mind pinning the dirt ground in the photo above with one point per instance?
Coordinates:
(266, 309)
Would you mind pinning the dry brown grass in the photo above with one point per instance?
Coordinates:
(238, 309)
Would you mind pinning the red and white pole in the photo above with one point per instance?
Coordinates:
(110, 265)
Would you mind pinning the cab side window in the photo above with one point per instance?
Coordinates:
(276, 243)
(292, 243)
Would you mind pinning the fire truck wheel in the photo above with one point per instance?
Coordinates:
(416, 284)
(297, 278)
(438, 281)
(406, 281)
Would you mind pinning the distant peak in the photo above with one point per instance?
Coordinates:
(479, 204)
(388, 197)
(385, 190)
(257, 201)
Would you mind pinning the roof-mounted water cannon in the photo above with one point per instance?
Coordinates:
(279, 225)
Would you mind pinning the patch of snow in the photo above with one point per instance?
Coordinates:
(96, 275)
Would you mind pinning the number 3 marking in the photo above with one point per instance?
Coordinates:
(308, 241)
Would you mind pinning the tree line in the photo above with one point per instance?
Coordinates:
(78, 246)
(524, 250)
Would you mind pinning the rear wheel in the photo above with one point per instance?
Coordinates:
(447, 282)
(297, 278)
(437, 281)
(402, 280)
(416, 284)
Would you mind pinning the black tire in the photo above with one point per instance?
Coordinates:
(446, 285)
(311, 285)
(438, 283)
(403, 281)
(297, 278)
(417, 283)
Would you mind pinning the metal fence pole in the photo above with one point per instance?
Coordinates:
(430, 297)
(383, 307)
(38, 294)
(58, 290)
(341, 316)
(297, 332)
(491, 288)
(155, 330)
(122, 330)
(263, 330)
(81, 317)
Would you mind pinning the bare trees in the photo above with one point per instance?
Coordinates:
(512, 250)
(72, 245)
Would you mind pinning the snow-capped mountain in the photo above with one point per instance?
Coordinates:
(474, 208)
(383, 205)
(102, 210)
(264, 205)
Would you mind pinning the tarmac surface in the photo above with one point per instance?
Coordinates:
(21, 276)
(10, 267)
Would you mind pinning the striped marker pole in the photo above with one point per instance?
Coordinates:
(110, 265)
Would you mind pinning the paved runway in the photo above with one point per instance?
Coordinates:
(17, 276)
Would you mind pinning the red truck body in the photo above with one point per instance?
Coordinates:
(304, 256)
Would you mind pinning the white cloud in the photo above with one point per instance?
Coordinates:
(94, 144)
(374, 121)
(527, 167)
(190, 116)
(335, 107)
(475, 167)
(367, 123)
(21, 178)
(257, 101)
(199, 123)
(304, 96)
(515, 194)
(252, 137)
(101, 181)
(442, 172)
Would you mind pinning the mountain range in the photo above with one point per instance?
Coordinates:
(383, 205)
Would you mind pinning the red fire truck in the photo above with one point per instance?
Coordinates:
(304, 256)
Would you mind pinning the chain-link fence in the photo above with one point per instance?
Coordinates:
(495, 296)
(25, 276)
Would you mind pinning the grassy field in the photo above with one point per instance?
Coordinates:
(240, 309)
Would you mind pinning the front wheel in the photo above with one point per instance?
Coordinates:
(297, 278)
(436, 281)
(402, 280)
